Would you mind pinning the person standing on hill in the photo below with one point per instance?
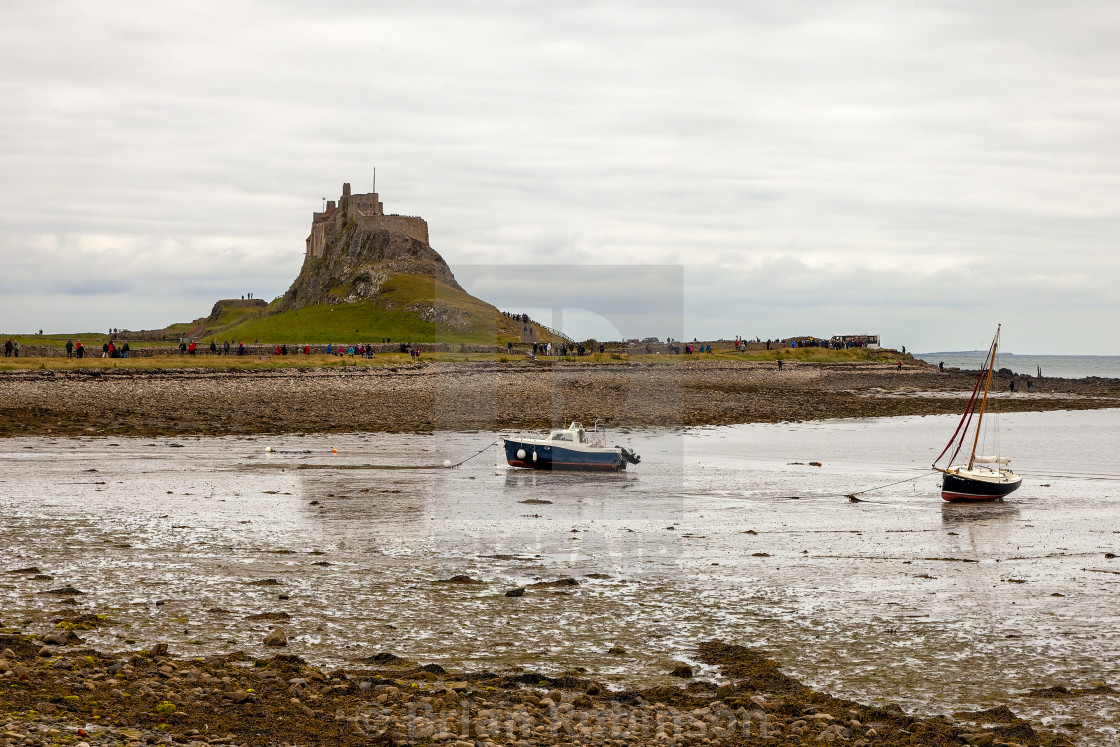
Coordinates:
(69, 348)
(79, 350)
(15, 348)
(213, 346)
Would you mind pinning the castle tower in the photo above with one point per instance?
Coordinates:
(344, 202)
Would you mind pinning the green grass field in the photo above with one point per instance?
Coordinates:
(251, 362)
(265, 362)
(236, 362)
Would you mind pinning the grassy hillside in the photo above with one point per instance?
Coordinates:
(411, 308)
(233, 315)
(228, 317)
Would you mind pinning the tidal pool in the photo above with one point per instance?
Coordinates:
(729, 533)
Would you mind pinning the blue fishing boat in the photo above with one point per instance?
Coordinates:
(573, 448)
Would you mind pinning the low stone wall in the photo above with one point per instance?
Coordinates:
(259, 349)
(39, 351)
(674, 348)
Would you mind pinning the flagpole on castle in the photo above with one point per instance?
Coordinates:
(375, 180)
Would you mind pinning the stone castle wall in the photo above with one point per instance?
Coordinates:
(317, 242)
(368, 212)
(324, 232)
(415, 228)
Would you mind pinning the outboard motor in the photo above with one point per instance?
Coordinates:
(628, 455)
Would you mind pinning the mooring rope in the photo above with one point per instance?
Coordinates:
(852, 496)
(446, 465)
(472, 456)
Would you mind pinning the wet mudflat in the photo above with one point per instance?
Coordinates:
(726, 533)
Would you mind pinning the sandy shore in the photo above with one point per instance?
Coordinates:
(494, 396)
(56, 692)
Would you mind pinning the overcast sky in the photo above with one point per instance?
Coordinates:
(920, 170)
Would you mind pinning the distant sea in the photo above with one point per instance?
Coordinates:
(1058, 366)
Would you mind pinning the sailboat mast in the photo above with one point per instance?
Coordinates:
(984, 402)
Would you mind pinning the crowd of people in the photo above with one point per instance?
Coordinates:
(523, 318)
(526, 323)
(846, 342)
(562, 349)
(109, 349)
(362, 350)
(114, 348)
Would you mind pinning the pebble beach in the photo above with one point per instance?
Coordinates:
(486, 395)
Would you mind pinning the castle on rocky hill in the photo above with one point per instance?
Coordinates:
(354, 249)
(367, 213)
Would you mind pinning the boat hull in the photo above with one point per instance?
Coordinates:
(991, 485)
(553, 457)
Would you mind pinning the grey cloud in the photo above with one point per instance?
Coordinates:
(808, 164)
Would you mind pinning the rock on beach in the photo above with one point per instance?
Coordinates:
(276, 638)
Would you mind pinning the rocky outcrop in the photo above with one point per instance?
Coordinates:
(226, 304)
(358, 263)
